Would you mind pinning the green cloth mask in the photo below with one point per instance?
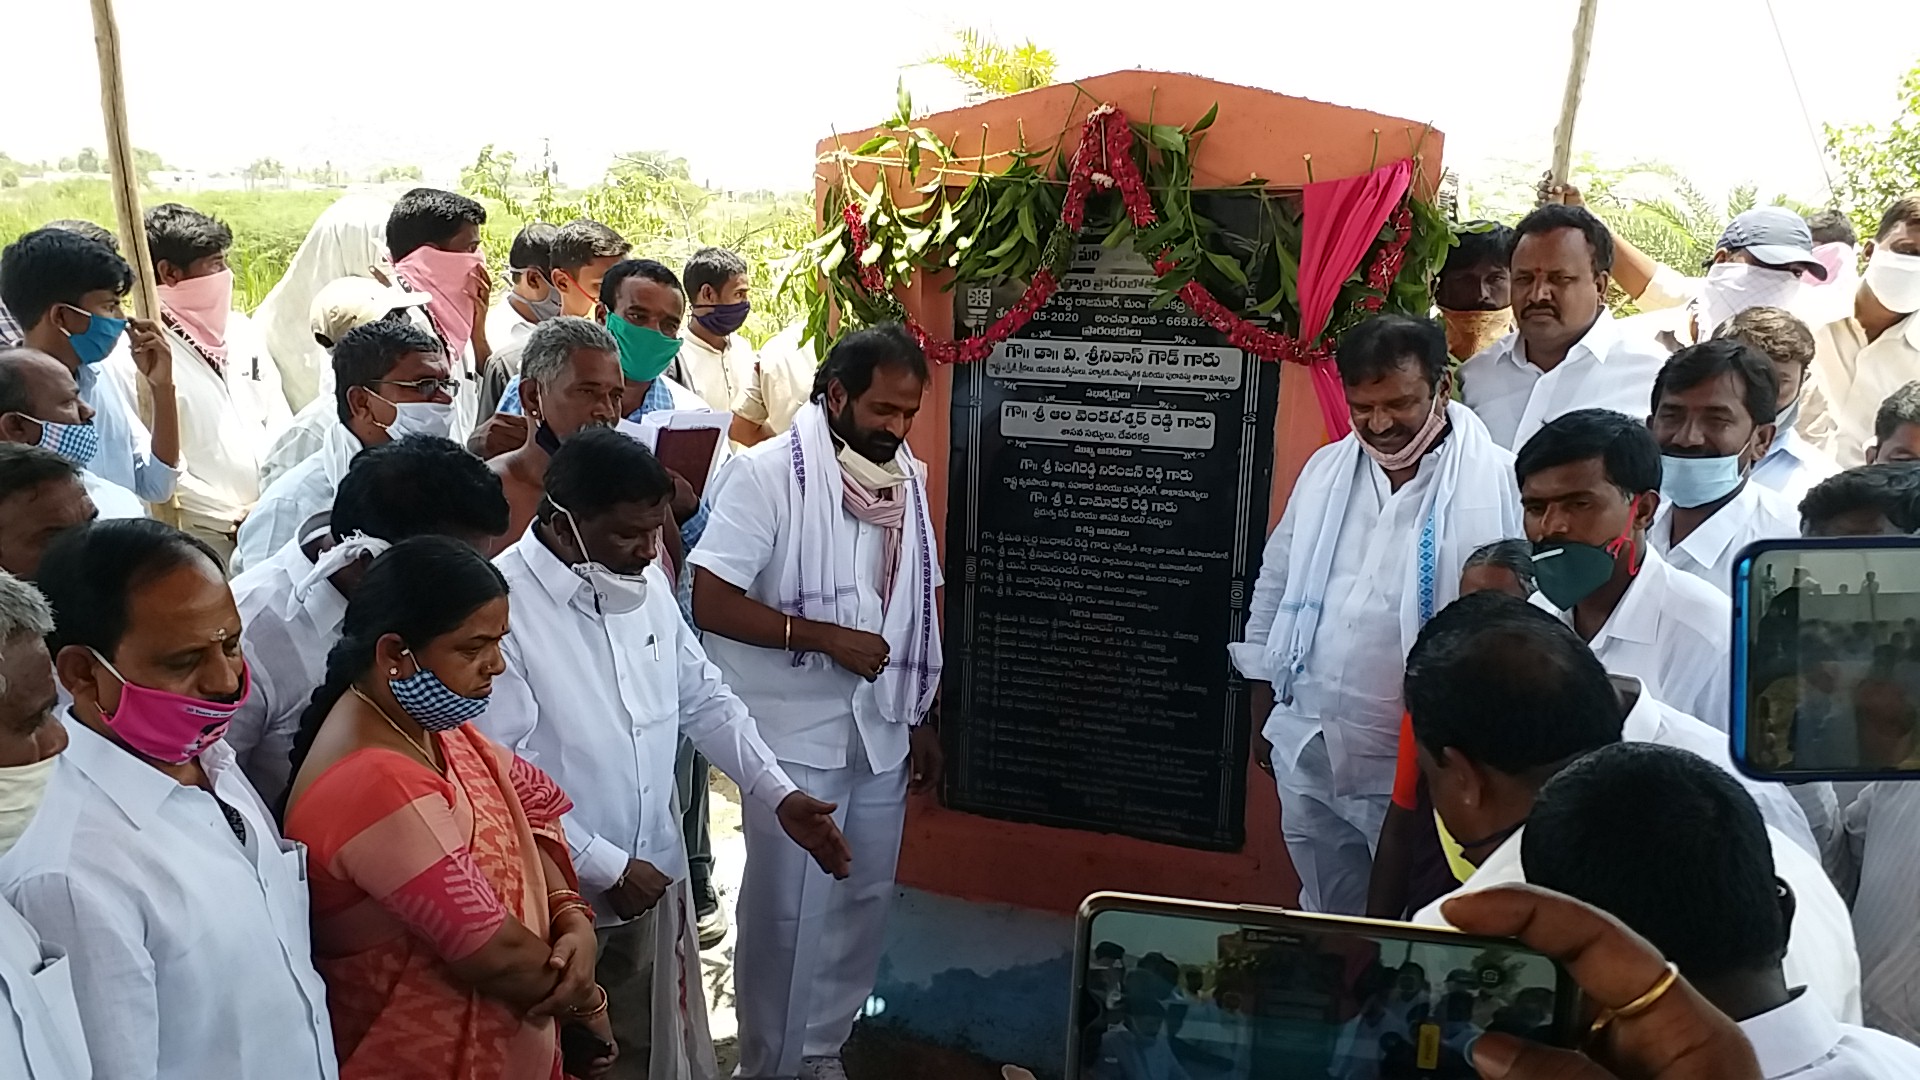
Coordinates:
(644, 351)
(1567, 573)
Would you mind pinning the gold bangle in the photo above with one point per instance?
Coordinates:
(597, 1009)
(1640, 1004)
(787, 645)
(571, 905)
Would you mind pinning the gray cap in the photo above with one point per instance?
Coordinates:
(1775, 236)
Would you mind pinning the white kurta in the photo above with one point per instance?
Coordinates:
(1820, 951)
(1708, 553)
(1802, 1040)
(1852, 376)
(1673, 632)
(287, 641)
(1792, 466)
(809, 946)
(228, 418)
(40, 1034)
(1603, 370)
(719, 376)
(112, 500)
(305, 490)
(190, 950)
(302, 439)
(601, 701)
(782, 381)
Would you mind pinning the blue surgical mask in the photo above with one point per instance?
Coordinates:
(433, 704)
(102, 333)
(1692, 481)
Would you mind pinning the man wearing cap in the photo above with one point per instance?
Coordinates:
(1764, 259)
(338, 307)
(390, 379)
(1860, 360)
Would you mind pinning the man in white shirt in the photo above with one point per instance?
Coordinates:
(1713, 408)
(66, 291)
(1372, 542)
(340, 306)
(1791, 464)
(1667, 844)
(1589, 484)
(292, 602)
(717, 363)
(1764, 258)
(1566, 353)
(40, 405)
(151, 858)
(532, 299)
(40, 1035)
(390, 380)
(603, 679)
(1883, 830)
(578, 257)
(1859, 360)
(816, 588)
(1502, 698)
(229, 396)
(41, 496)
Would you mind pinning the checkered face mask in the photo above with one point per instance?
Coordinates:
(433, 704)
(77, 443)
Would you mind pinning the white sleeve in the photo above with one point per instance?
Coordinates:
(717, 723)
(1668, 288)
(111, 970)
(511, 717)
(745, 524)
(266, 530)
(1249, 654)
(153, 479)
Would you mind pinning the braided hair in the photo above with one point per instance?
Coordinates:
(419, 589)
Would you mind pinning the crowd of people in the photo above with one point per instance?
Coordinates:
(361, 666)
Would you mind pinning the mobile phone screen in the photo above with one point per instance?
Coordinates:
(1186, 996)
(1827, 659)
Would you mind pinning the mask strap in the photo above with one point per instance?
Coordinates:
(573, 526)
(1625, 540)
(108, 664)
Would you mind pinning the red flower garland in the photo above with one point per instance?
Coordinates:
(1108, 137)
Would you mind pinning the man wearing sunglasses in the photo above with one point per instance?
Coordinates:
(390, 379)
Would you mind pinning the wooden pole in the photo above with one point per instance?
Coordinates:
(123, 176)
(1569, 102)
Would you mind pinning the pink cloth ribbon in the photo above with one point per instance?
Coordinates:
(1340, 219)
(201, 306)
(447, 279)
(889, 513)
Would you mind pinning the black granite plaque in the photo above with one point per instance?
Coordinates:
(1106, 512)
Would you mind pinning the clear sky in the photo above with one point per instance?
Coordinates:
(743, 88)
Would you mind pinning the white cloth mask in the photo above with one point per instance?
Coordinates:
(614, 594)
(1895, 280)
(21, 789)
(870, 474)
(421, 418)
(1733, 287)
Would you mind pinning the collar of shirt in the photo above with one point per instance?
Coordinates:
(136, 787)
(1643, 721)
(1707, 543)
(556, 578)
(1792, 1037)
(337, 449)
(1597, 342)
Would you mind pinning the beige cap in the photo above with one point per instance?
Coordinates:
(347, 302)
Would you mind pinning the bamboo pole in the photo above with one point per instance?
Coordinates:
(1570, 101)
(123, 176)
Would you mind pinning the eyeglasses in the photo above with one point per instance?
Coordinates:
(424, 386)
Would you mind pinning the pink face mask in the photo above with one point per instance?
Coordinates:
(447, 277)
(201, 305)
(170, 727)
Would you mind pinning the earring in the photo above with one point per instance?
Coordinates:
(393, 672)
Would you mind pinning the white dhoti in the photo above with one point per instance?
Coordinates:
(656, 1003)
(809, 946)
(1330, 837)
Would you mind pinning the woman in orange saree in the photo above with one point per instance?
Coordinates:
(446, 918)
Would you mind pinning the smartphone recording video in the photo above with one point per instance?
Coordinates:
(1826, 660)
(1180, 990)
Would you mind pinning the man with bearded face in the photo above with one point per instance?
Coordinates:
(1372, 543)
(1713, 408)
(1566, 353)
(816, 588)
(1590, 486)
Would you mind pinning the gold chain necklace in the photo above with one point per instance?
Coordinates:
(423, 751)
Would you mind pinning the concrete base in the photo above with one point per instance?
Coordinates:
(990, 980)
